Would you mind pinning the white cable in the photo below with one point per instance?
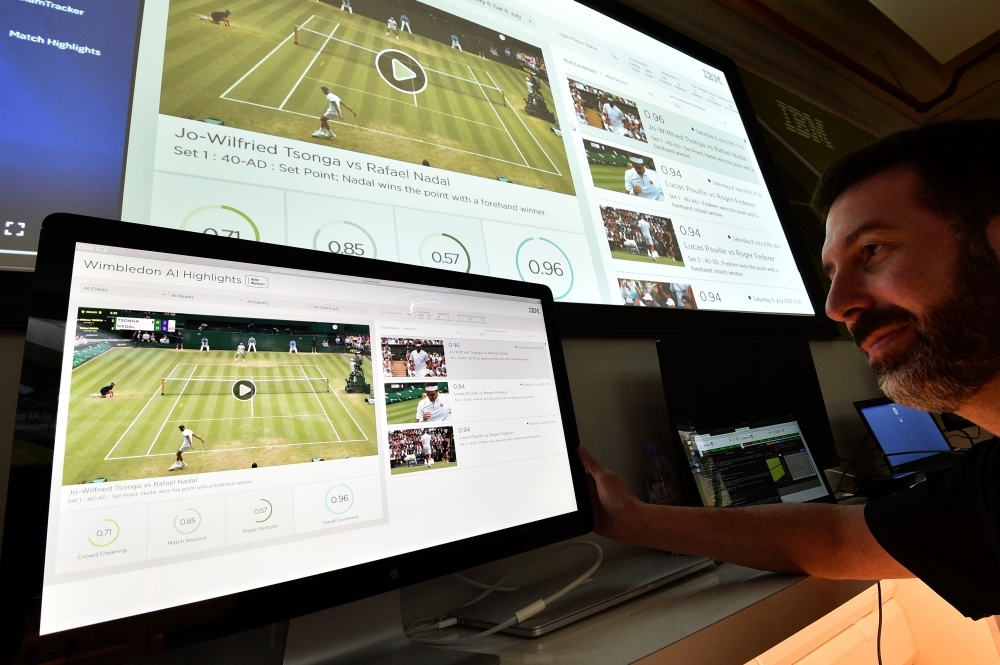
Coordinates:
(524, 613)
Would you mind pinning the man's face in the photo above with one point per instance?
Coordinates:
(919, 297)
(639, 168)
(432, 395)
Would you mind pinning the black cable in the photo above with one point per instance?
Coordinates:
(878, 641)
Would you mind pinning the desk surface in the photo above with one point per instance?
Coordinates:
(725, 614)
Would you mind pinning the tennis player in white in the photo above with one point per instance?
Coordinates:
(334, 110)
(418, 361)
(639, 182)
(615, 117)
(390, 26)
(186, 444)
(241, 352)
(434, 407)
(425, 440)
(648, 237)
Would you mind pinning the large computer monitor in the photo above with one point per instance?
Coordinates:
(251, 432)
(595, 152)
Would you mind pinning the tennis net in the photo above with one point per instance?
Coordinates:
(279, 386)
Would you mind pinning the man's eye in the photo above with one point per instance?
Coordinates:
(869, 251)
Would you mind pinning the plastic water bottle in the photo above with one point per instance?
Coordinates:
(661, 482)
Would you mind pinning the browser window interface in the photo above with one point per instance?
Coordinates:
(223, 427)
(755, 464)
(535, 141)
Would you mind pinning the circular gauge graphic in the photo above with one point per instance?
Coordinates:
(103, 533)
(221, 220)
(440, 250)
(339, 499)
(261, 510)
(345, 238)
(542, 261)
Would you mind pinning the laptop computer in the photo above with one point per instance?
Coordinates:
(763, 460)
(621, 577)
(909, 439)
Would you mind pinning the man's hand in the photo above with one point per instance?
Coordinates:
(636, 189)
(615, 507)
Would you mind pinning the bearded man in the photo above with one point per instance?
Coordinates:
(912, 247)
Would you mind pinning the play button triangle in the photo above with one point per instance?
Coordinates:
(401, 72)
(244, 390)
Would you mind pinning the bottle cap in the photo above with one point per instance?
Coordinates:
(654, 449)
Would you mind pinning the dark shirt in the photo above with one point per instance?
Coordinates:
(945, 531)
(219, 16)
(106, 389)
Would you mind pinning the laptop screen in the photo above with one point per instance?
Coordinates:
(752, 463)
(904, 434)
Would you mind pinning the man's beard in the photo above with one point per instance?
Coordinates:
(956, 350)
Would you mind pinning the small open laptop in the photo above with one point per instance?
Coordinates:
(909, 439)
(764, 460)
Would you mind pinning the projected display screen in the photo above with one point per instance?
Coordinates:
(533, 141)
(237, 426)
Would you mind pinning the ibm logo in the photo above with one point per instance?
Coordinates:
(714, 78)
(804, 124)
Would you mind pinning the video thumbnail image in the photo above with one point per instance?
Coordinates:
(606, 110)
(421, 449)
(619, 170)
(415, 358)
(638, 236)
(392, 78)
(643, 293)
(424, 402)
(155, 394)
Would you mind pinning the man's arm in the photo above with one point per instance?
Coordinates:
(342, 103)
(816, 539)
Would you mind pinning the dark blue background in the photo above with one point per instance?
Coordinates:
(907, 430)
(63, 114)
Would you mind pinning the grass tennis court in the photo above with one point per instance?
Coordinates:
(402, 413)
(422, 467)
(252, 75)
(645, 258)
(292, 418)
(609, 177)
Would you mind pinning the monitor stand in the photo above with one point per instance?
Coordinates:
(366, 631)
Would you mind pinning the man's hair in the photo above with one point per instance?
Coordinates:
(958, 161)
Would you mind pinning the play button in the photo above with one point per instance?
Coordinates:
(244, 389)
(401, 71)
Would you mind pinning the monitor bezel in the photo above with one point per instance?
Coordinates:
(620, 320)
(912, 465)
(265, 605)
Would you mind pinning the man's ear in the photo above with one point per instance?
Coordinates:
(993, 234)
